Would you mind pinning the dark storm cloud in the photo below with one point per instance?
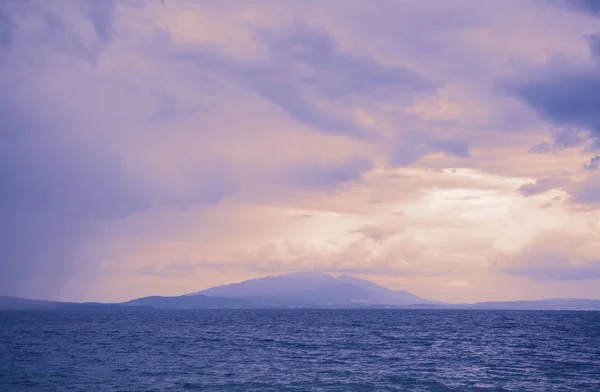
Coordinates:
(418, 144)
(591, 7)
(101, 14)
(59, 175)
(306, 73)
(54, 188)
(593, 163)
(566, 94)
(306, 69)
(62, 173)
(542, 185)
(587, 191)
(334, 73)
(320, 176)
(594, 43)
(566, 98)
(306, 63)
(51, 189)
(6, 29)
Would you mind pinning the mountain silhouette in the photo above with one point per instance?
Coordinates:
(318, 288)
(305, 290)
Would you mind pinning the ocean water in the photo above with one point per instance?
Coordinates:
(299, 350)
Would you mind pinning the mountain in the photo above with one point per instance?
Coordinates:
(192, 302)
(298, 290)
(316, 288)
(543, 304)
(15, 303)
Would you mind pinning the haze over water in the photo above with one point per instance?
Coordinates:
(300, 350)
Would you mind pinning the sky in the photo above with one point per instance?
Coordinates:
(447, 148)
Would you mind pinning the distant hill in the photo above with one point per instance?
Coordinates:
(15, 303)
(185, 302)
(318, 289)
(543, 304)
(304, 290)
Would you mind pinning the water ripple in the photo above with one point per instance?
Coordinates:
(300, 350)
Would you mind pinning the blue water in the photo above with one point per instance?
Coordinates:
(299, 350)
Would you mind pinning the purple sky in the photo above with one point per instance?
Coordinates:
(448, 148)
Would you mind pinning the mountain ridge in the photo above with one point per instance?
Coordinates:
(317, 287)
(304, 290)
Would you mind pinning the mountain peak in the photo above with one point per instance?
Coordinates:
(315, 287)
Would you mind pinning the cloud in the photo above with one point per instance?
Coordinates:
(55, 185)
(319, 176)
(566, 98)
(565, 94)
(587, 192)
(83, 144)
(593, 163)
(61, 173)
(358, 257)
(305, 72)
(375, 233)
(459, 284)
(165, 145)
(594, 43)
(311, 55)
(550, 242)
(554, 255)
(101, 14)
(418, 144)
(542, 185)
(586, 6)
(6, 29)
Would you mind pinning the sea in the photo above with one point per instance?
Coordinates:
(299, 350)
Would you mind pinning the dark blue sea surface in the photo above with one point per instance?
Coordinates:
(299, 350)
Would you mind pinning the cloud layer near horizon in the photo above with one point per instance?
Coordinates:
(161, 147)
